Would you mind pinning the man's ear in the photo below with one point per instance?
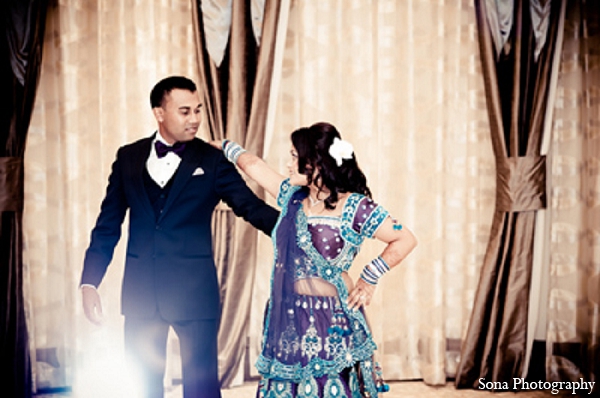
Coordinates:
(158, 113)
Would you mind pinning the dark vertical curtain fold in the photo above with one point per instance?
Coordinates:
(21, 46)
(517, 86)
(236, 94)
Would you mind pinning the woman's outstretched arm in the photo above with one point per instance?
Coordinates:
(253, 166)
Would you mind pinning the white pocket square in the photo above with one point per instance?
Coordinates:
(198, 172)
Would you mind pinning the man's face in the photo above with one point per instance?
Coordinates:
(179, 117)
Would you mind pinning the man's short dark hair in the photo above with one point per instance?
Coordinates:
(164, 87)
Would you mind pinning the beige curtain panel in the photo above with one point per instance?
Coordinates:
(100, 63)
(573, 325)
(402, 82)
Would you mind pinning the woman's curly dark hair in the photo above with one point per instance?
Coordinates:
(312, 144)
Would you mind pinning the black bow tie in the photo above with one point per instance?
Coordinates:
(162, 149)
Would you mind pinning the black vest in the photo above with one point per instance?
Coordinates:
(157, 195)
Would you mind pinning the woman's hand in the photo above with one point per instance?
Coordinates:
(216, 143)
(361, 295)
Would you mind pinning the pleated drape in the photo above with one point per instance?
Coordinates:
(517, 78)
(573, 330)
(21, 48)
(236, 69)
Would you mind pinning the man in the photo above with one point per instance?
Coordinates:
(170, 183)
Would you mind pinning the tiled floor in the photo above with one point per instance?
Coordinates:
(412, 389)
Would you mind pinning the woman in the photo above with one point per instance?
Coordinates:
(316, 340)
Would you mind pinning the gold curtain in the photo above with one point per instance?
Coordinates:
(101, 60)
(402, 82)
(518, 83)
(573, 326)
(237, 73)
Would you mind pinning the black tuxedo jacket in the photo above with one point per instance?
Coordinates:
(169, 265)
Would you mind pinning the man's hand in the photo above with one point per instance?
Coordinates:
(92, 306)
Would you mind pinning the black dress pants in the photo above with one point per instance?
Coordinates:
(146, 347)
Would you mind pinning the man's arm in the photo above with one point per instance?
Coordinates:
(233, 189)
(104, 238)
(107, 231)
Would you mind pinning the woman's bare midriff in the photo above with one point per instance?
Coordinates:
(319, 287)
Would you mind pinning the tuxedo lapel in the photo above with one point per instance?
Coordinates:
(137, 165)
(190, 161)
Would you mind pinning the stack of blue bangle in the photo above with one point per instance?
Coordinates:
(374, 270)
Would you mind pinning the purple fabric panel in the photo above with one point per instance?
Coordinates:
(363, 211)
(326, 239)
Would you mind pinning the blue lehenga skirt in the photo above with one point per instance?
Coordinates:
(321, 332)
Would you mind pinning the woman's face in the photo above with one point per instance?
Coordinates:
(296, 178)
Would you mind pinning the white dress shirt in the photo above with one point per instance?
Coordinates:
(161, 170)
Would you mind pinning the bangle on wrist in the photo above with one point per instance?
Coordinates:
(232, 150)
(374, 271)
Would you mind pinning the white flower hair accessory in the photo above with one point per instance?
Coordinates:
(340, 150)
